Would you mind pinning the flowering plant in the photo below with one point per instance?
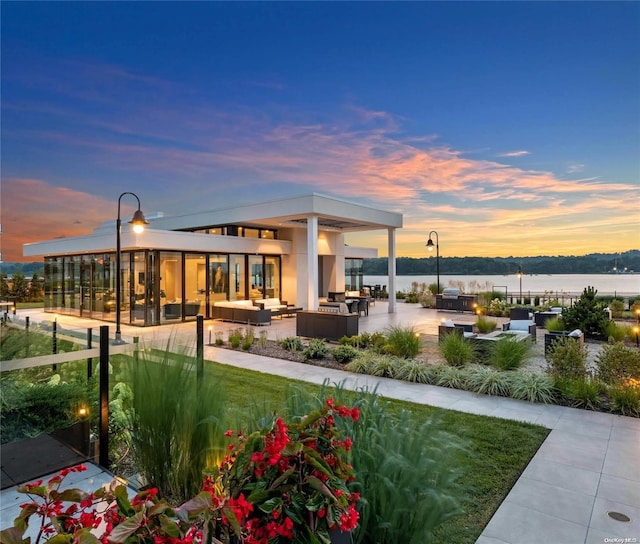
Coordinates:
(109, 516)
(290, 482)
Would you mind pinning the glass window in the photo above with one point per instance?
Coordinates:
(354, 274)
(171, 285)
(237, 287)
(219, 277)
(272, 277)
(256, 269)
(195, 273)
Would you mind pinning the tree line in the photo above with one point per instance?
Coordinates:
(596, 263)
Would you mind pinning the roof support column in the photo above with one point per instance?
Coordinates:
(312, 262)
(392, 270)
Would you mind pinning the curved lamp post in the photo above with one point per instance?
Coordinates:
(430, 248)
(138, 221)
(520, 278)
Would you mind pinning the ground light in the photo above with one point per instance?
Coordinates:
(138, 221)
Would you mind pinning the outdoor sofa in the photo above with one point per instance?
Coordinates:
(241, 311)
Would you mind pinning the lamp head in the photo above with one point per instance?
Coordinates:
(430, 244)
(138, 221)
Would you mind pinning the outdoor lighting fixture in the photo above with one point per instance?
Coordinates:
(430, 248)
(638, 315)
(82, 412)
(637, 331)
(138, 221)
(520, 278)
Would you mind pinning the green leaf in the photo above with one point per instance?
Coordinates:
(60, 539)
(127, 528)
(40, 491)
(69, 495)
(282, 478)
(13, 535)
(194, 507)
(84, 536)
(169, 526)
(320, 486)
(123, 501)
(270, 505)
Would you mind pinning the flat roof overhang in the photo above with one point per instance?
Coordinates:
(157, 240)
(333, 215)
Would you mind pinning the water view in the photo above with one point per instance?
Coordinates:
(570, 284)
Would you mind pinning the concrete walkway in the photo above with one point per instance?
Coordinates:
(588, 467)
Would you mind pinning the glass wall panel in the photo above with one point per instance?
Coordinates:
(237, 286)
(138, 289)
(251, 233)
(195, 276)
(219, 277)
(103, 301)
(53, 283)
(171, 285)
(256, 271)
(353, 274)
(153, 293)
(71, 285)
(272, 277)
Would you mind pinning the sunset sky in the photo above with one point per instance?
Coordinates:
(510, 128)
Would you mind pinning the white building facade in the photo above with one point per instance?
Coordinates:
(292, 249)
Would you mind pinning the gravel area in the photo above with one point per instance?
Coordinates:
(430, 353)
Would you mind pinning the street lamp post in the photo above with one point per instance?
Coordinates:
(138, 221)
(520, 278)
(430, 248)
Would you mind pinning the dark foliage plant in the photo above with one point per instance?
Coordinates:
(587, 314)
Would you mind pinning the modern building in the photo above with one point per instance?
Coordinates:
(293, 249)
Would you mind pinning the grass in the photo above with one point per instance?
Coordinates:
(498, 450)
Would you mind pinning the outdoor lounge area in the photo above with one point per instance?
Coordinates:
(561, 473)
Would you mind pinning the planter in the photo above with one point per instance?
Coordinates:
(339, 537)
(551, 336)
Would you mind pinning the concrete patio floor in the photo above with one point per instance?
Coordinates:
(588, 467)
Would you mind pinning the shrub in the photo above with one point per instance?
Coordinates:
(625, 399)
(219, 338)
(456, 350)
(617, 332)
(177, 431)
(554, 324)
(427, 300)
(509, 353)
(587, 314)
(531, 386)
(581, 393)
(263, 340)
(404, 473)
(384, 366)
(235, 338)
(616, 362)
(402, 342)
(344, 354)
(291, 343)
(486, 381)
(363, 362)
(451, 376)
(316, 349)
(365, 340)
(414, 371)
(617, 308)
(485, 325)
(29, 410)
(247, 340)
(567, 359)
(497, 307)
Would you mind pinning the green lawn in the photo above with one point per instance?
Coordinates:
(499, 450)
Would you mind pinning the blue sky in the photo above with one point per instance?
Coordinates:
(510, 128)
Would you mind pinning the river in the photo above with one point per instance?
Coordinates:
(570, 284)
